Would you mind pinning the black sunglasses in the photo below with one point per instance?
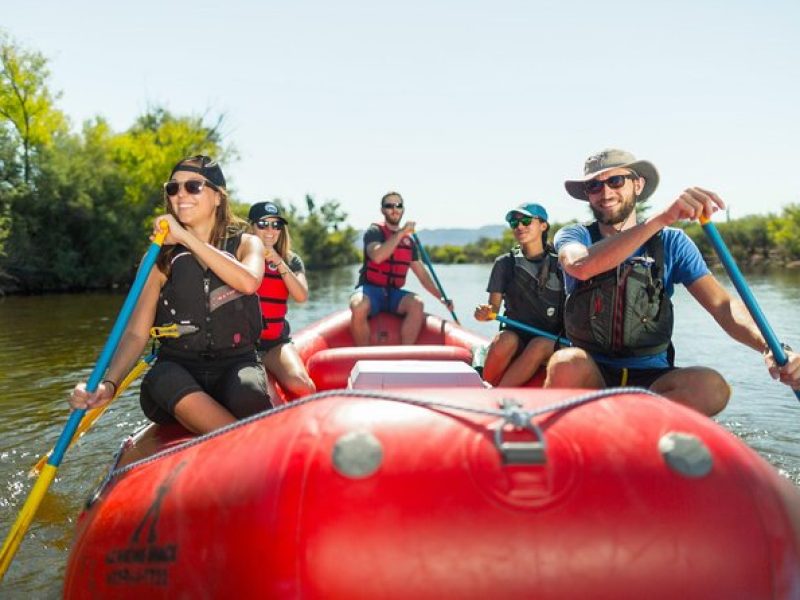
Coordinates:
(614, 182)
(264, 224)
(192, 186)
(398, 205)
(513, 222)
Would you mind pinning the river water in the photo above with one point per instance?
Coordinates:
(48, 343)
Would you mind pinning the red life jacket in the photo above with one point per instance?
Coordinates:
(272, 295)
(392, 271)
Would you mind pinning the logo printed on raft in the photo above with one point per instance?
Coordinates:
(144, 560)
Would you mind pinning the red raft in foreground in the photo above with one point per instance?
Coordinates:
(394, 490)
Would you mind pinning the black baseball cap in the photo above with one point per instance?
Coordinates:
(209, 168)
(260, 210)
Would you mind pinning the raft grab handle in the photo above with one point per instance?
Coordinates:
(532, 452)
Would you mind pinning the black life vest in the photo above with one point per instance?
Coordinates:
(624, 311)
(392, 271)
(228, 321)
(536, 292)
(272, 295)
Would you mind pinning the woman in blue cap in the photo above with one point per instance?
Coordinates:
(204, 284)
(529, 282)
(284, 278)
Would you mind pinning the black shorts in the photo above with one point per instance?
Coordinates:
(624, 377)
(523, 336)
(238, 383)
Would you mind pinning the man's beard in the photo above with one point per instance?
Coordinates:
(619, 215)
(393, 221)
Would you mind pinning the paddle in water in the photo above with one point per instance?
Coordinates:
(745, 293)
(427, 260)
(49, 470)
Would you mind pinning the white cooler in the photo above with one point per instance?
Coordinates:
(393, 374)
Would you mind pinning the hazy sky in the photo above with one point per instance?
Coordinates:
(466, 108)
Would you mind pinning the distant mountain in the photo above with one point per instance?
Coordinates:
(453, 237)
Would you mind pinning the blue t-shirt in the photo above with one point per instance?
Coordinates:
(683, 264)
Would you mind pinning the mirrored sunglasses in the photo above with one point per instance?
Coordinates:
(513, 222)
(390, 205)
(614, 182)
(192, 186)
(264, 224)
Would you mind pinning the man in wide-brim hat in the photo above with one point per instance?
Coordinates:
(620, 273)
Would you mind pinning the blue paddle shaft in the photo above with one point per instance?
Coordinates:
(108, 351)
(746, 294)
(426, 259)
(534, 330)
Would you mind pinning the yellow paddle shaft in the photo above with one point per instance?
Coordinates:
(25, 517)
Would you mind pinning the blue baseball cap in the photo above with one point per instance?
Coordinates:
(528, 209)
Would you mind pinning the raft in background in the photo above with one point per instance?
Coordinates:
(392, 494)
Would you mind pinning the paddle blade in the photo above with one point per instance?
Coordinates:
(25, 517)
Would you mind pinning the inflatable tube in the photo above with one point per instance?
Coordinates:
(363, 496)
(331, 368)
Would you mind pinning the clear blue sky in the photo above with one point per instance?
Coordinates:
(466, 108)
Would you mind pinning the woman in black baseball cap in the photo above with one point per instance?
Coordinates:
(284, 278)
(204, 285)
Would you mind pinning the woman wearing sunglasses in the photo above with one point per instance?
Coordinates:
(284, 278)
(204, 283)
(529, 282)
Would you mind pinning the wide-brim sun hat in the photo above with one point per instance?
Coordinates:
(613, 158)
(262, 210)
(528, 209)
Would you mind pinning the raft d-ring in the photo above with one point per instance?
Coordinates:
(532, 452)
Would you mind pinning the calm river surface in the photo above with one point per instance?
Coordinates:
(48, 343)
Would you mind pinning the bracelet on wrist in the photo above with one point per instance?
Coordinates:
(113, 384)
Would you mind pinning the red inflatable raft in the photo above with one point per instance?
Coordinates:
(387, 489)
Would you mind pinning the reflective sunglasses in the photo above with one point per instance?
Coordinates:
(521, 220)
(614, 182)
(398, 205)
(192, 186)
(264, 224)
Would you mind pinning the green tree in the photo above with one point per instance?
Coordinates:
(26, 103)
(9, 182)
(321, 235)
(85, 220)
(784, 232)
